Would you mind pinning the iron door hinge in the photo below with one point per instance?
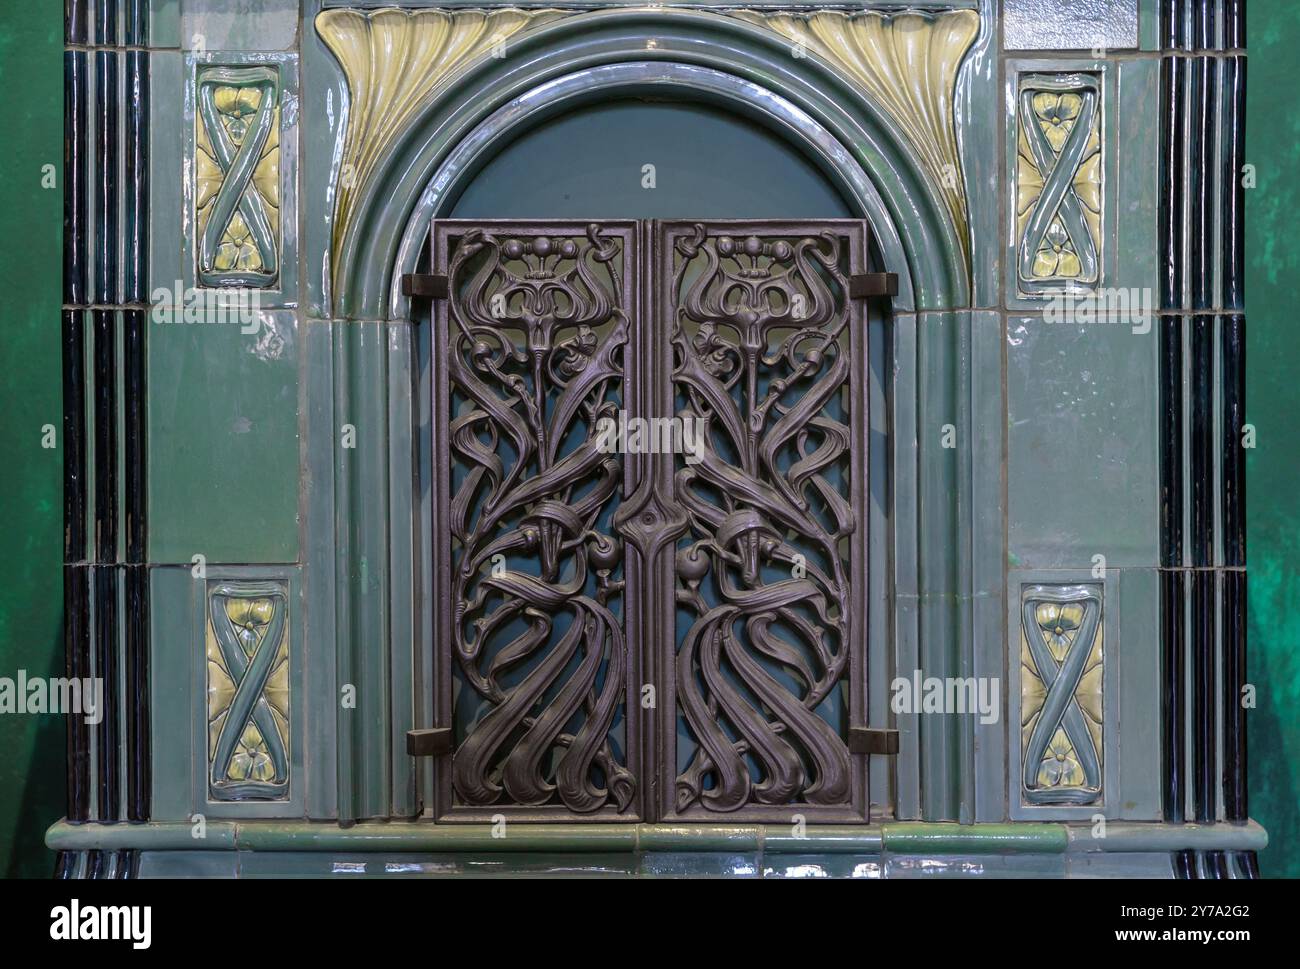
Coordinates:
(431, 742)
(862, 285)
(427, 285)
(872, 740)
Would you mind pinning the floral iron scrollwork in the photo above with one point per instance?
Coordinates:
(533, 338)
(765, 361)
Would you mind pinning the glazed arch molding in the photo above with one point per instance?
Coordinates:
(861, 91)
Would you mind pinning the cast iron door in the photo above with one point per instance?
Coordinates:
(649, 458)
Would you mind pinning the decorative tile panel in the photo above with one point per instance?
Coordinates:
(1058, 183)
(237, 176)
(246, 641)
(393, 60)
(1061, 694)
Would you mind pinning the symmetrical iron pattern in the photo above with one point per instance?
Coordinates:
(530, 348)
(768, 367)
(649, 541)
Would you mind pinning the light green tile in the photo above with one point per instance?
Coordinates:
(321, 432)
(1149, 24)
(166, 170)
(223, 440)
(1138, 864)
(188, 864)
(699, 864)
(979, 120)
(944, 442)
(975, 866)
(1139, 687)
(823, 866)
(1136, 176)
(988, 542)
(164, 23)
(171, 652)
(1082, 436)
(261, 25)
(1057, 25)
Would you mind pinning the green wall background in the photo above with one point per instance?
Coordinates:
(31, 748)
(31, 503)
(1273, 406)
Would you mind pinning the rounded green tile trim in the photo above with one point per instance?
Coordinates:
(958, 839)
(930, 240)
(903, 838)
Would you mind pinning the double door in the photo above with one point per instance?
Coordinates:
(649, 478)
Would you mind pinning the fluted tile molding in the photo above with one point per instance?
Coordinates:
(394, 60)
(908, 63)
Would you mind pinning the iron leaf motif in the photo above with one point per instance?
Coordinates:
(762, 361)
(537, 329)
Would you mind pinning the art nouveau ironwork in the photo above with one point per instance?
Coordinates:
(531, 350)
(650, 499)
(697, 615)
(768, 364)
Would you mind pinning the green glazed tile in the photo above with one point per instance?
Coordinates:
(223, 440)
(1082, 436)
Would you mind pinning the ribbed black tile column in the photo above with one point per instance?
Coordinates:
(1233, 389)
(1202, 388)
(76, 638)
(75, 147)
(135, 23)
(105, 177)
(75, 21)
(104, 329)
(105, 22)
(1200, 473)
(1173, 578)
(135, 230)
(135, 289)
(104, 570)
(76, 593)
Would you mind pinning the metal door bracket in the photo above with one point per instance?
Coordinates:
(873, 284)
(424, 284)
(872, 740)
(432, 742)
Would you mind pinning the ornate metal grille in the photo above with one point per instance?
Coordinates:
(769, 363)
(535, 661)
(650, 461)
